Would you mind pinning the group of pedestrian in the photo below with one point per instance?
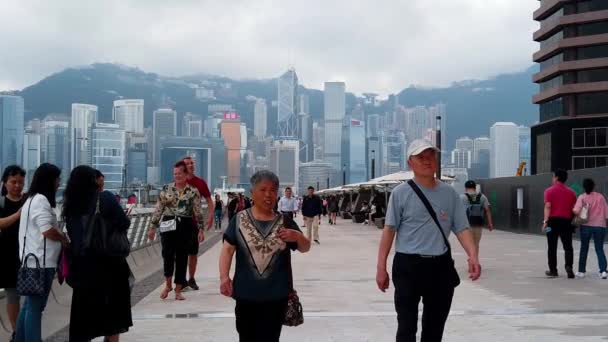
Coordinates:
(33, 246)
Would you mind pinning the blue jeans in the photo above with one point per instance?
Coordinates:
(29, 323)
(598, 233)
(218, 217)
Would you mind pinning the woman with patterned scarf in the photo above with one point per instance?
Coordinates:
(262, 240)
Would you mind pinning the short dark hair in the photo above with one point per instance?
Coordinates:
(99, 174)
(180, 164)
(562, 175)
(264, 175)
(470, 184)
(311, 187)
(43, 182)
(287, 188)
(11, 171)
(588, 185)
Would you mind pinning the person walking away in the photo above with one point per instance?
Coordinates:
(311, 209)
(40, 236)
(288, 205)
(193, 246)
(423, 267)
(595, 227)
(11, 200)
(557, 223)
(101, 295)
(233, 202)
(262, 240)
(177, 204)
(218, 208)
(478, 211)
(333, 209)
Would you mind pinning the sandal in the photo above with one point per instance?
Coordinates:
(165, 292)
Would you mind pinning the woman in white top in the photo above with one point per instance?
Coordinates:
(39, 235)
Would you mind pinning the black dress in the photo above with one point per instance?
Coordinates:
(101, 297)
(9, 247)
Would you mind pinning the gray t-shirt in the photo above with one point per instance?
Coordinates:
(417, 233)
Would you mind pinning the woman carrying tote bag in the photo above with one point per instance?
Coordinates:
(39, 247)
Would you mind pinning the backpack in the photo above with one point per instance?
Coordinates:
(475, 211)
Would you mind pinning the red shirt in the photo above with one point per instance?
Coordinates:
(562, 200)
(202, 188)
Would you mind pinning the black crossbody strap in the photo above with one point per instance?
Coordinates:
(431, 211)
(27, 224)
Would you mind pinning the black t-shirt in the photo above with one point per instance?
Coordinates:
(9, 246)
(256, 281)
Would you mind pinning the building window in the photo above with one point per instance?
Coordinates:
(551, 61)
(551, 109)
(591, 5)
(592, 103)
(554, 39)
(588, 162)
(589, 137)
(589, 52)
(593, 28)
(552, 83)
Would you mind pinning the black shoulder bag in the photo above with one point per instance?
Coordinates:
(31, 281)
(102, 239)
(453, 274)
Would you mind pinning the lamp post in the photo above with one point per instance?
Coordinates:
(317, 183)
(373, 164)
(343, 174)
(438, 140)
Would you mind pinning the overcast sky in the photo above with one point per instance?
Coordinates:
(373, 45)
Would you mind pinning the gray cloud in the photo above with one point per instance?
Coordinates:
(379, 46)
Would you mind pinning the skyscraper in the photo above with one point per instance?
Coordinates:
(164, 124)
(353, 150)
(524, 145)
(504, 149)
(335, 110)
(394, 146)
(192, 126)
(55, 141)
(108, 153)
(573, 94)
(285, 163)
(129, 115)
(462, 158)
(480, 144)
(260, 121)
(84, 116)
(11, 132)
(287, 104)
(313, 174)
(481, 158)
(231, 133)
(373, 125)
(32, 154)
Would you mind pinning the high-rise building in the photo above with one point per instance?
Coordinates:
(480, 144)
(84, 116)
(129, 115)
(11, 132)
(231, 133)
(304, 104)
(373, 125)
(418, 122)
(287, 104)
(284, 161)
(465, 144)
(192, 126)
(353, 147)
(315, 174)
(394, 147)
(137, 158)
(335, 110)
(108, 153)
(524, 146)
(504, 149)
(481, 158)
(164, 124)
(32, 154)
(462, 158)
(374, 157)
(573, 78)
(318, 137)
(34, 126)
(260, 121)
(211, 128)
(55, 141)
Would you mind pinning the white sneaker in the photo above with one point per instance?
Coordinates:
(580, 275)
(604, 275)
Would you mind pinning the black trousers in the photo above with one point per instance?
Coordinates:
(260, 321)
(423, 278)
(175, 250)
(560, 229)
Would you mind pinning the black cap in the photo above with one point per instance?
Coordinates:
(470, 184)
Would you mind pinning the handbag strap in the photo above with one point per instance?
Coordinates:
(27, 224)
(290, 279)
(431, 211)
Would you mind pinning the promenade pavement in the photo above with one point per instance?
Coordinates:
(513, 301)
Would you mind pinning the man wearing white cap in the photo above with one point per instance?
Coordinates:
(422, 213)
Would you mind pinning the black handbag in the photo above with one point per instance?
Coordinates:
(294, 314)
(102, 239)
(454, 278)
(31, 281)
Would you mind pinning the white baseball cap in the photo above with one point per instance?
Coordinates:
(418, 146)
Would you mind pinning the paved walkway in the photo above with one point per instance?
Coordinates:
(336, 281)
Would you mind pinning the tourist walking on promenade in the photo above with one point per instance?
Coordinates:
(262, 240)
(596, 208)
(11, 200)
(288, 205)
(332, 207)
(232, 205)
(423, 267)
(312, 207)
(195, 236)
(218, 212)
(177, 204)
(478, 211)
(557, 223)
(39, 240)
(101, 297)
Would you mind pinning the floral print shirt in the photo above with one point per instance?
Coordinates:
(182, 203)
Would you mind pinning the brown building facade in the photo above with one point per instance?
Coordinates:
(231, 133)
(573, 85)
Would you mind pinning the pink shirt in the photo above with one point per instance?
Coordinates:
(598, 209)
(562, 200)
